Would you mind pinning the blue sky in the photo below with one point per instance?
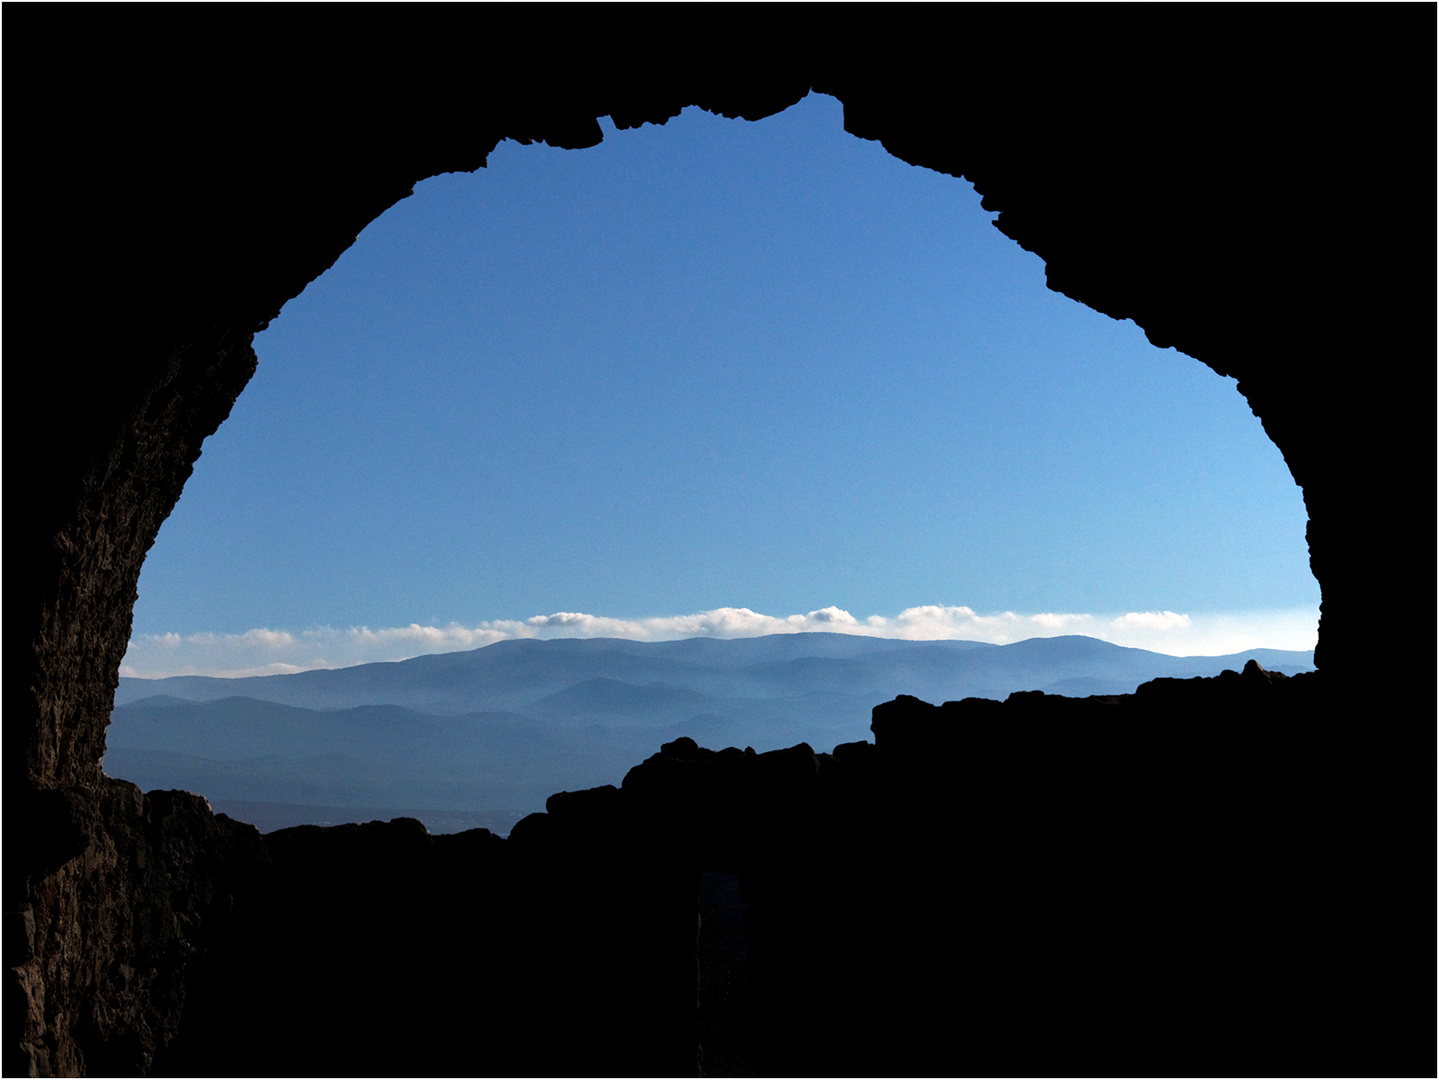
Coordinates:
(714, 377)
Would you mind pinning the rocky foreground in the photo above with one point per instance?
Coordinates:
(1047, 886)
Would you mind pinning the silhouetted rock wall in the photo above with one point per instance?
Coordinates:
(1155, 883)
(1250, 202)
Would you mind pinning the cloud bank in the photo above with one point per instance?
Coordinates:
(273, 652)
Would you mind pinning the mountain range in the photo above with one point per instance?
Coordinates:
(484, 737)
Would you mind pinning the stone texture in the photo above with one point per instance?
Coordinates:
(112, 935)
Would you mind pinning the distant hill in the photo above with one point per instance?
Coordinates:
(613, 701)
(496, 730)
(513, 675)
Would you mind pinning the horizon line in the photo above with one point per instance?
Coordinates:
(263, 651)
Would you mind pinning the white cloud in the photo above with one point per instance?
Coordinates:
(269, 652)
(1064, 624)
(1151, 620)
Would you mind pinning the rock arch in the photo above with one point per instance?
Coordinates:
(1193, 179)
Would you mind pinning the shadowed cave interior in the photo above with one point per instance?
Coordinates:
(1203, 872)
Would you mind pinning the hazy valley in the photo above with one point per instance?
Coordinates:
(482, 738)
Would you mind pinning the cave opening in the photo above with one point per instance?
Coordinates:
(430, 452)
(1338, 856)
